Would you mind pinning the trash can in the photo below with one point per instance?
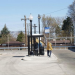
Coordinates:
(36, 52)
(41, 50)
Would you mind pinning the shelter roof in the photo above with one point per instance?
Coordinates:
(36, 35)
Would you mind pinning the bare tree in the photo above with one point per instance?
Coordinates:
(72, 11)
(72, 15)
(53, 23)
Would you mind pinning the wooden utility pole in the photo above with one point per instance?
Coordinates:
(25, 31)
(39, 31)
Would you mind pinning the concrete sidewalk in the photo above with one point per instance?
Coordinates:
(41, 58)
(41, 65)
(17, 63)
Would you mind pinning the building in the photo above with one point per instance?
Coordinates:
(13, 44)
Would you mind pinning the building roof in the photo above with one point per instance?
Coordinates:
(60, 41)
(36, 35)
(14, 42)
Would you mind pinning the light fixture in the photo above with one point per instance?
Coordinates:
(30, 17)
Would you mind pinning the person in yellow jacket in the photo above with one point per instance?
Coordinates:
(49, 49)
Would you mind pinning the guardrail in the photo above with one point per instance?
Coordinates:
(20, 48)
(62, 47)
(11, 48)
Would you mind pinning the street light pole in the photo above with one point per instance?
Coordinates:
(30, 18)
(31, 33)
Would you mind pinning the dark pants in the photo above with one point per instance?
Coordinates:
(49, 51)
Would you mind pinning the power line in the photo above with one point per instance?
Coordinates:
(56, 11)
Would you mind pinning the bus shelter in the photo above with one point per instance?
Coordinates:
(40, 49)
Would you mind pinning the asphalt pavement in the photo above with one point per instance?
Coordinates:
(66, 57)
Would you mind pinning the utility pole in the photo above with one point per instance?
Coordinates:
(25, 30)
(39, 31)
(28, 27)
(34, 31)
(8, 41)
(34, 28)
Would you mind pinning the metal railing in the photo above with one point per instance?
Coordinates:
(12, 48)
(61, 47)
(24, 48)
